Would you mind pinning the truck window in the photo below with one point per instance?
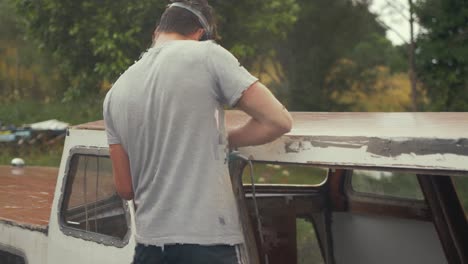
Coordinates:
(7, 257)
(382, 183)
(284, 174)
(91, 204)
(461, 186)
(290, 203)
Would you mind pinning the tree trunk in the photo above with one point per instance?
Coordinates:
(412, 65)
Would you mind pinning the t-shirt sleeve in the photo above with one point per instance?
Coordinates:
(112, 137)
(231, 78)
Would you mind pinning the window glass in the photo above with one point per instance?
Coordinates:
(461, 185)
(7, 257)
(284, 174)
(395, 184)
(91, 203)
(308, 248)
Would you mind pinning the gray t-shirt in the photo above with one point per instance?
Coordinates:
(167, 112)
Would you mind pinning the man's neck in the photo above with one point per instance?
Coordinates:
(162, 38)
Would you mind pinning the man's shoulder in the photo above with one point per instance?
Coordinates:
(197, 47)
(189, 52)
(214, 47)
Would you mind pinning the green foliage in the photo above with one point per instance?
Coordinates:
(284, 174)
(368, 89)
(11, 25)
(401, 185)
(308, 248)
(300, 41)
(461, 186)
(96, 41)
(250, 29)
(92, 41)
(49, 156)
(326, 31)
(369, 77)
(27, 112)
(442, 54)
(25, 73)
(376, 50)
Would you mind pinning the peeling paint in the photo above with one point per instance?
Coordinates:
(382, 147)
(30, 227)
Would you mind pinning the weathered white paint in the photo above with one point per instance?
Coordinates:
(32, 244)
(302, 151)
(74, 250)
(326, 139)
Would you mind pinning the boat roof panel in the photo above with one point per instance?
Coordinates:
(430, 141)
(413, 125)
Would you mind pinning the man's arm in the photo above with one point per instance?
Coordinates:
(121, 169)
(269, 118)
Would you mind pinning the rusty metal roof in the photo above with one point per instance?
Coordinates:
(26, 195)
(96, 125)
(432, 141)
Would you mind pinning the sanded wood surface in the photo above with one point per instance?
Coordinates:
(26, 195)
(411, 125)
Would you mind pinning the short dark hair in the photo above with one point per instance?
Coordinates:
(184, 22)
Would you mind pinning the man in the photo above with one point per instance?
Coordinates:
(165, 125)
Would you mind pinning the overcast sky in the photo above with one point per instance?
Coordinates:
(393, 13)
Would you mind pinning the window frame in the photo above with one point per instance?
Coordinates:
(385, 204)
(295, 187)
(355, 193)
(288, 192)
(66, 184)
(14, 251)
(457, 192)
(449, 216)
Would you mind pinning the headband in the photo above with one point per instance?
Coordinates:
(197, 13)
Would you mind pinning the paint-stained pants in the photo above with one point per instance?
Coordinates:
(186, 254)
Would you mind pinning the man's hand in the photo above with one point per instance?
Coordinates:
(269, 118)
(121, 169)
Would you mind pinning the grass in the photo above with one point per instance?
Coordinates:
(26, 112)
(49, 156)
(308, 248)
(284, 174)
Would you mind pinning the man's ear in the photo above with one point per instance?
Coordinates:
(199, 34)
(155, 33)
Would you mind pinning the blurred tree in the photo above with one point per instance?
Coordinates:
(326, 32)
(252, 30)
(24, 71)
(9, 61)
(96, 41)
(92, 41)
(442, 54)
(371, 90)
(293, 45)
(370, 77)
